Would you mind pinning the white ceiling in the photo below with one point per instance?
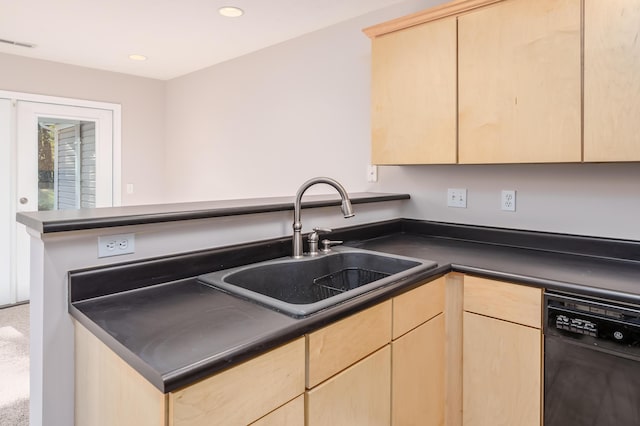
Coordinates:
(177, 36)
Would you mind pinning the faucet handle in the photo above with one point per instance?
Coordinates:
(326, 245)
(319, 230)
(314, 238)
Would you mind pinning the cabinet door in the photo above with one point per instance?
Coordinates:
(413, 95)
(519, 83)
(108, 391)
(360, 395)
(611, 80)
(501, 369)
(417, 376)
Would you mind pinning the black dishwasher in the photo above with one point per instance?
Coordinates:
(591, 362)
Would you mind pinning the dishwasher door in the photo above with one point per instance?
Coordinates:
(591, 362)
(589, 387)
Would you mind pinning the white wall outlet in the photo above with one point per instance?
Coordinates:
(115, 245)
(508, 200)
(372, 173)
(457, 197)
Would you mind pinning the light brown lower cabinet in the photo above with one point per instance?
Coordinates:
(335, 347)
(396, 363)
(502, 354)
(418, 372)
(109, 392)
(360, 395)
(401, 384)
(501, 373)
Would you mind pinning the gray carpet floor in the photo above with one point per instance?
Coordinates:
(14, 366)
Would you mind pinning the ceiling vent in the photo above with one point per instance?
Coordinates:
(17, 43)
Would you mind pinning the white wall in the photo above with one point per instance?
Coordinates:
(263, 123)
(142, 101)
(584, 199)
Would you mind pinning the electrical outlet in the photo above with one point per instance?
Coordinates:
(115, 245)
(457, 197)
(508, 200)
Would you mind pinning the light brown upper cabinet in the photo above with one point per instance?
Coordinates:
(414, 95)
(519, 82)
(611, 80)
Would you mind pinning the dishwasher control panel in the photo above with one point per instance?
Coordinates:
(593, 322)
(576, 325)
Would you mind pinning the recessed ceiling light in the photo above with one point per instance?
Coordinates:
(136, 57)
(230, 11)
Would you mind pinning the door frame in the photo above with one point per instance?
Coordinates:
(7, 211)
(116, 154)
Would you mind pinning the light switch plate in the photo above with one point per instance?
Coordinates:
(372, 173)
(457, 197)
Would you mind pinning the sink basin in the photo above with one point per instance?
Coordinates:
(300, 287)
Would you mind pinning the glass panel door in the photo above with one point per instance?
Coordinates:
(64, 161)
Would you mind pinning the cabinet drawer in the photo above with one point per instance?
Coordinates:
(360, 395)
(242, 394)
(417, 306)
(337, 346)
(510, 302)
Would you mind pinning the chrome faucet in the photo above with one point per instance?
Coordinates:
(346, 208)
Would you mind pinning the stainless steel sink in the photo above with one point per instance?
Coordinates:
(300, 287)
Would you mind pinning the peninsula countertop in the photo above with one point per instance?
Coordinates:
(107, 217)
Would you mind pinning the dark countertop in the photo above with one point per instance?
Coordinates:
(106, 217)
(177, 332)
(177, 327)
(587, 275)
